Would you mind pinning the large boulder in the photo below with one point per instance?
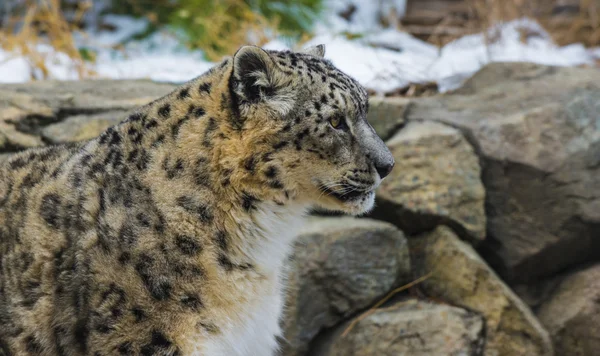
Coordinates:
(26, 109)
(411, 327)
(537, 131)
(572, 314)
(387, 115)
(339, 266)
(436, 180)
(459, 276)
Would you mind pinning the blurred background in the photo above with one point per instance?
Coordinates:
(394, 47)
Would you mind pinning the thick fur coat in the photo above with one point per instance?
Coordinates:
(167, 234)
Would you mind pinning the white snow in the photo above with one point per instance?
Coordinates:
(378, 69)
(127, 27)
(402, 59)
(16, 69)
(466, 55)
(381, 59)
(160, 57)
(595, 53)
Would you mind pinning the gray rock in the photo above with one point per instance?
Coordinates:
(15, 110)
(4, 157)
(412, 328)
(92, 95)
(387, 115)
(26, 109)
(537, 130)
(436, 180)
(339, 266)
(82, 127)
(572, 314)
(534, 294)
(459, 276)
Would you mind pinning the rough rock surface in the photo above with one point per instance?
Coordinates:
(340, 266)
(535, 294)
(535, 133)
(537, 129)
(409, 328)
(462, 278)
(25, 109)
(436, 180)
(572, 314)
(387, 115)
(81, 127)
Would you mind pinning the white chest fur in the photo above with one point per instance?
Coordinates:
(254, 328)
(252, 334)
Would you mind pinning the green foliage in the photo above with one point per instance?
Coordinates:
(294, 17)
(213, 25)
(87, 54)
(220, 26)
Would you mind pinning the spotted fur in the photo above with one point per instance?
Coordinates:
(167, 234)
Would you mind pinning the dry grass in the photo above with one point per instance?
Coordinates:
(375, 307)
(583, 26)
(442, 21)
(231, 23)
(566, 23)
(42, 22)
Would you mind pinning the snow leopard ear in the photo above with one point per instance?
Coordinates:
(317, 51)
(259, 80)
(254, 70)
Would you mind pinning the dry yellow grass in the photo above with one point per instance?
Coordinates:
(231, 24)
(582, 26)
(375, 307)
(442, 21)
(42, 22)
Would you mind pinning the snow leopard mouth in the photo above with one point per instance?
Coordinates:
(346, 193)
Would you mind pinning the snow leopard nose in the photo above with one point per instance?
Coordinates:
(375, 149)
(384, 169)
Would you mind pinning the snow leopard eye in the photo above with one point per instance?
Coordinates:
(338, 122)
